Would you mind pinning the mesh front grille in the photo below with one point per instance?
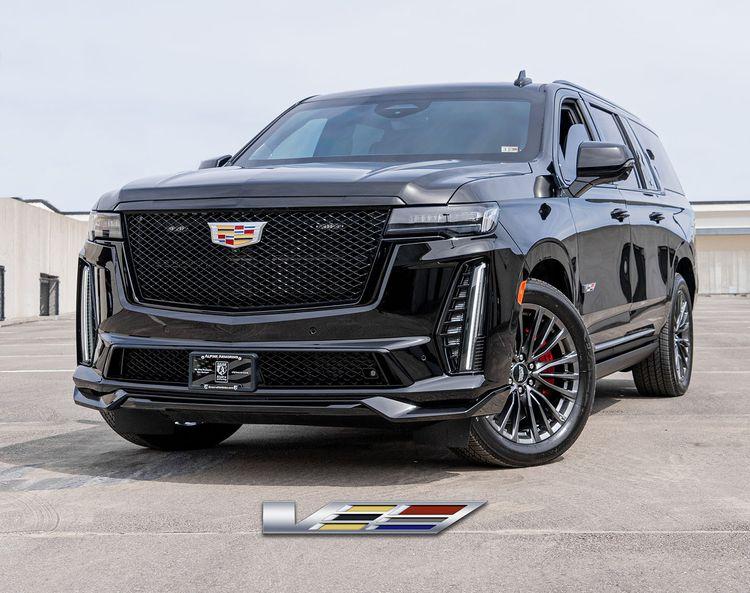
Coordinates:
(303, 369)
(157, 366)
(275, 369)
(320, 257)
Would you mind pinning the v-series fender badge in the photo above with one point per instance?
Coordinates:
(367, 518)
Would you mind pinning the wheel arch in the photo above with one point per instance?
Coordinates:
(685, 269)
(549, 262)
(684, 265)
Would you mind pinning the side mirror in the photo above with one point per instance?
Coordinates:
(599, 163)
(218, 161)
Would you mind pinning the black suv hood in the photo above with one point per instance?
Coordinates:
(428, 182)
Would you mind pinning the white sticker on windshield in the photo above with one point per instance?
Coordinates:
(509, 149)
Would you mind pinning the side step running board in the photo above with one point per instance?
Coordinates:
(624, 360)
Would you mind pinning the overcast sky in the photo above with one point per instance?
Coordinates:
(95, 94)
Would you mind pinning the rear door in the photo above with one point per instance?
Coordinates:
(649, 248)
(601, 220)
(654, 231)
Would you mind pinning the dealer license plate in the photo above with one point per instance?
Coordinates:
(219, 371)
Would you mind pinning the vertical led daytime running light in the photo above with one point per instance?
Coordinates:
(474, 316)
(462, 327)
(87, 316)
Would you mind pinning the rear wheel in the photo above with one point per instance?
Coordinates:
(157, 431)
(666, 372)
(552, 386)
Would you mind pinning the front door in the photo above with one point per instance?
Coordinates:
(603, 230)
(602, 222)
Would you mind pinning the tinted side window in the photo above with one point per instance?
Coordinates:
(569, 117)
(609, 130)
(607, 126)
(573, 131)
(659, 159)
(643, 162)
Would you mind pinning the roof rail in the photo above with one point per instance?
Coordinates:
(597, 95)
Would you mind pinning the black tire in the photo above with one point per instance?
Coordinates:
(486, 443)
(160, 432)
(659, 375)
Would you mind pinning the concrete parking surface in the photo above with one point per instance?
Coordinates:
(655, 495)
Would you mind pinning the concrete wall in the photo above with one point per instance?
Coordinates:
(724, 264)
(723, 244)
(723, 217)
(35, 241)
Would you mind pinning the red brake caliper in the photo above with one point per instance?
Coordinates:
(543, 360)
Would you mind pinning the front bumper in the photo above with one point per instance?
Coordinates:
(257, 408)
(400, 323)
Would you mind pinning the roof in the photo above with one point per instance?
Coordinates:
(433, 89)
(458, 89)
(578, 87)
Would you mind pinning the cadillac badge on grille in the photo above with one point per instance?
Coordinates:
(236, 234)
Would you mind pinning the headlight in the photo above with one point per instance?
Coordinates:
(104, 225)
(446, 221)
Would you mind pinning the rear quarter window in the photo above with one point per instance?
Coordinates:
(659, 159)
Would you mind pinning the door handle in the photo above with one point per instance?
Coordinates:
(657, 217)
(619, 214)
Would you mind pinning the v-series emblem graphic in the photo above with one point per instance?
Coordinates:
(367, 518)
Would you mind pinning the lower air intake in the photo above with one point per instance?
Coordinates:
(276, 370)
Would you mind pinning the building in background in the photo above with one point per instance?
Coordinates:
(39, 248)
(723, 243)
(45, 205)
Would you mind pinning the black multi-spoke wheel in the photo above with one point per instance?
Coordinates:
(666, 372)
(552, 379)
(544, 379)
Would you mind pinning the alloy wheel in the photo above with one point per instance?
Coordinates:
(544, 379)
(681, 337)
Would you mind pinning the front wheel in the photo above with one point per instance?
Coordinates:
(553, 380)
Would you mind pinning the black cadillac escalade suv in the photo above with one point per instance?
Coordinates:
(464, 259)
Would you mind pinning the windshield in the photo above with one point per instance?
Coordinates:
(497, 129)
